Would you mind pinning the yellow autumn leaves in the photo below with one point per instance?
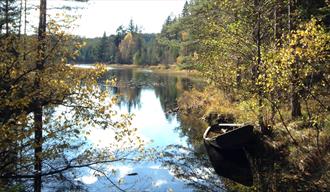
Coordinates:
(307, 48)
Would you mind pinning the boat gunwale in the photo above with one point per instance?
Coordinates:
(224, 125)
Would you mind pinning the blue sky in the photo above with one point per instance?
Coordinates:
(107, 15)
(98, 16)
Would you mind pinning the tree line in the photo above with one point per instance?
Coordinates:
(131, 46)
(128, 46)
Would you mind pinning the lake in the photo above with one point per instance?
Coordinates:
(152, 99)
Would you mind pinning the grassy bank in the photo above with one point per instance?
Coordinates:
(279, 164)
(170, 69)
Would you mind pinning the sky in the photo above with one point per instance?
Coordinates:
(107, 15)
(99, 16)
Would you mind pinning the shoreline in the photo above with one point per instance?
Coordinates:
(172, 69)
(160, 69)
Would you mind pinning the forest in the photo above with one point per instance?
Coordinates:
(128, 46)
(265, 62)
(131, 46)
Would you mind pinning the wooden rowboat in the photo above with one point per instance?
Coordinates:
(224, 144)
(228, 136)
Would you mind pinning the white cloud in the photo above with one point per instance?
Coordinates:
(154, 167)
(124, 170)
(121, 170)
(88, 180)
(159, 183)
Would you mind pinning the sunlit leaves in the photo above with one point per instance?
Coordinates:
(307, 49)
(76, 105)
(127, 46)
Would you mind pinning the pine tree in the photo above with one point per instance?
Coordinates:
(103, 51)
(9, 16)
(185, 11)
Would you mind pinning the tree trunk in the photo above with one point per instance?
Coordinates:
(20, 19)
(38, 148)
(25, 18)
(257, 67)
(295, 105)
(238, 74)
(272, 96)
(295, 98)
(38, 123)
(7, 17)
(24, 37)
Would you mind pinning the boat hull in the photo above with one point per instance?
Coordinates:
(226, 151)
(230, 163)
(233, 139)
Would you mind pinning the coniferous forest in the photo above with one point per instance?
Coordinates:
(129, 46)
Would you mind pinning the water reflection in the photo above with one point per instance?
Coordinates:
(193, 167)
(186, 167)
(185, 164)
(190, 163)
(130, 83)
(149, 96)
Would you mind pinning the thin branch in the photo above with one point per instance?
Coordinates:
(61, 170)
(105, 175)
(283, 122)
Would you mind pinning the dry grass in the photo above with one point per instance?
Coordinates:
(304, 166)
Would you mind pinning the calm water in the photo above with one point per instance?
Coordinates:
(181, 162)
(151, 98)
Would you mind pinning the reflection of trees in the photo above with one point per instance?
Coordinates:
(191, 164)
(130, 82)
(193, 128)
(192, 167)
(172, 87)
(130, 97)
(269, 167)
(128, 92)
(167, 93)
